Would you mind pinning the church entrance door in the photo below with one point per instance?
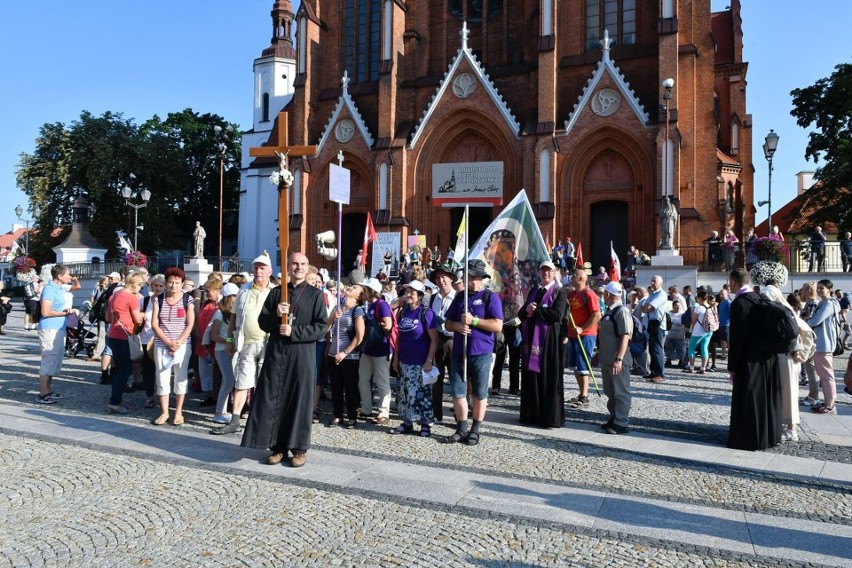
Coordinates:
(608, 223)
(480, 218)
(352, 240)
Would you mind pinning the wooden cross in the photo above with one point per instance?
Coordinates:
(281, 151)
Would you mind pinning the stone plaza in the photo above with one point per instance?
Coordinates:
(81, 488)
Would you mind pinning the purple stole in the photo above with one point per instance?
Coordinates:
(532, 350)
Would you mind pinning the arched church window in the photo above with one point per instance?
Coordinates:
(616, 16)
(362, 38)
(475, 9)
(264, 113)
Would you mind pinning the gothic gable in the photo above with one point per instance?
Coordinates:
(345, 128)
(603, 101)
(462, 83)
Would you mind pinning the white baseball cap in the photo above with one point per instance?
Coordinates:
(230, 289)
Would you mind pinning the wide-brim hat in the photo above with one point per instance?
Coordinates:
(476, 268)
(442, 269)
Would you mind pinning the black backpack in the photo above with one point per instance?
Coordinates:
(99, 309)
(773, 328)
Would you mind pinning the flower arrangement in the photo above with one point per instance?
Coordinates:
(766, 248)
(281, 176)
(24, 264)
(769, 272)
(135, 258)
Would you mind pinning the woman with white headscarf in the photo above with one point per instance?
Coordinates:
(790, 364)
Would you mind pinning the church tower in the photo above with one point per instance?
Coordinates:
(274, 73)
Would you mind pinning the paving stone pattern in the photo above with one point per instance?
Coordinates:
(117, 510)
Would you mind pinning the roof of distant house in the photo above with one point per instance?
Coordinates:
(793, 221)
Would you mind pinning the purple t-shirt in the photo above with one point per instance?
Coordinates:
(378, 310)
(479, 342)
(413, 343)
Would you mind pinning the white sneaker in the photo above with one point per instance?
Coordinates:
(794, 435)
(222, 418)
(45, 399)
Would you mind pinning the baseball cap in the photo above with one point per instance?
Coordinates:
(614, 288)
(230, 289)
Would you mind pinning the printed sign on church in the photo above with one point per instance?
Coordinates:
(386, 243)
(478, 184)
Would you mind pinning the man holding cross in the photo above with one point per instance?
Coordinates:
(282, 411)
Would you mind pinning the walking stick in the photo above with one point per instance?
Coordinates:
(583, 350)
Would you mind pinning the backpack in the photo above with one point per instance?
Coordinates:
(772, 327)
(710, 323)
(839, 348)
(638, 336)
(99, 309)
(686, 318)
(668, 322)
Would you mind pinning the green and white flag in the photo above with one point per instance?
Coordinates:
(512, 247)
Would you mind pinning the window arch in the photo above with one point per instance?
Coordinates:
(616, 16)
(383, 186)
(362, 38)
(264, 113)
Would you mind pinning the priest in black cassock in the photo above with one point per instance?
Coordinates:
(282, 409)
(542, 389)
(756, 377)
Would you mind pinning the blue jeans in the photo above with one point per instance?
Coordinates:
(123, 368)
(656, 334)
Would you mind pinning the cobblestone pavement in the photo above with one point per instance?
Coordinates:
(76, 503)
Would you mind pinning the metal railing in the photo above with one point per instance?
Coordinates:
(801, 257)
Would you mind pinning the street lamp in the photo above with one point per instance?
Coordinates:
(20, 211)
(668, 84)
(222, 135)
(127, 193)
(770, 144)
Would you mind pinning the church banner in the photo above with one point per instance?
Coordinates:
(478, 184)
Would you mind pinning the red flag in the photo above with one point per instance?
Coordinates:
(369, 235)
(614, 265)
(580, 263)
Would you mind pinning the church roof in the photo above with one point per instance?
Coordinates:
(606, 65)
(465, 54)
(726, 160)
(795, 219)
(345, 101)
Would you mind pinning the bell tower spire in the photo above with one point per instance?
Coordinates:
(282, 31)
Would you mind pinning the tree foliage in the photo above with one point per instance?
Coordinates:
(826, 106)
(176, 159)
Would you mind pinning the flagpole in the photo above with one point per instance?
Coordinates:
(339, 263)
(466, 278)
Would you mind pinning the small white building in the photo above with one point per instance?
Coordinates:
(80, 245)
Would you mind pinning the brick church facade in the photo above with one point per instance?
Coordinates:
(567, 94)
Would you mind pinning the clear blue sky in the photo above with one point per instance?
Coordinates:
(157, 56)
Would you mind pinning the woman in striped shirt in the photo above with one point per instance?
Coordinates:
(172, 320)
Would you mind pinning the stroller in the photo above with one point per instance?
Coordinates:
(80, 336)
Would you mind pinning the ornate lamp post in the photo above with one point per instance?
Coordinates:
(222, 134)
(668, 84)
(770, 144)
(20, 211)
(127, 193)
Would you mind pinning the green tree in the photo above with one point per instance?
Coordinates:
(175, 159)
(826, 106)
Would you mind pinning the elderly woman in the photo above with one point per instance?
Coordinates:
(124, 316)
(172, 321)
(206, 307)
(224, 357)
(51, 330)
(414, 355)
(346, 327)
(808, 297)
(156, 286)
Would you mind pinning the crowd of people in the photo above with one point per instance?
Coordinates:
(262, 349)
